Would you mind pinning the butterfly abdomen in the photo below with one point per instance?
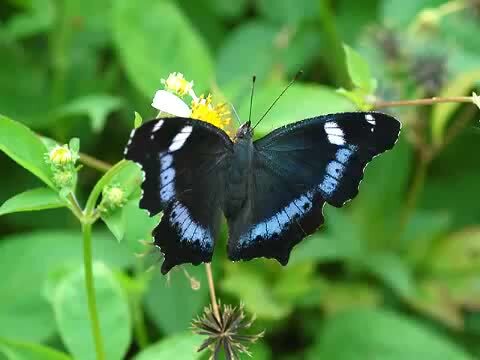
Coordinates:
(238, 176)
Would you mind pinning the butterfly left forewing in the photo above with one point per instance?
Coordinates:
(184, 165)
(297, 169)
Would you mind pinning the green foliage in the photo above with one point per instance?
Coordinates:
(69, 301)
(87, 70)
(382, 335)
(136, 39)
(15, 350)
(32, 200)
(303, 101)
(25, 148)
(26, 260)
(181, 347)
(172, 303)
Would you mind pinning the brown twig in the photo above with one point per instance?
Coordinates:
(428, 101)
(213, 297)
(94, 163)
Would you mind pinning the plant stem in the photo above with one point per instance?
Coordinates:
(96, 164)
(92, 303)
(139, 324)
(429, 101)
(75, 207)
(213, 297)
(97, 190)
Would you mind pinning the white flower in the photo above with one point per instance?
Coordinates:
(476, 99)
(167, 102)
(177, 84)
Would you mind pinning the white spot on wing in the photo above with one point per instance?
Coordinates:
(336, 140)
(334, 133)
(180, 138)
(370, 119)
(132, 134)
(158, 125)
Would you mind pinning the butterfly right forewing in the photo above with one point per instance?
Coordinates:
(297, 169)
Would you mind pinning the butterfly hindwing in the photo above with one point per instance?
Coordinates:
(183, 161)
(299, 167)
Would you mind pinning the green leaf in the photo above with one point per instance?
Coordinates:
(25, 148)
(375, 334)
(15, 350)
(277, 52)
(255, 291)
(421, 231)
(26, 262)
(71, 313)
(383, 187)
(22, 91)
(338, 242)
(96, 107)
(250, 38)
(154, 38)
(288, 12)
(457, 253)
(178, 347)
(137, 122)
(401, 13)
(129, 218)
(393, 271)
(32, 200)
(229, 8)
(343, 296)
(172, 304)
(132, 224)
(359, 71)
(138, 226)
(300, 102)
(38, 18)
(443, 113)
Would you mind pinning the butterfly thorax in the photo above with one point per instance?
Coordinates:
(239, 173)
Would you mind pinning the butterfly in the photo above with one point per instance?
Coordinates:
(271, 191)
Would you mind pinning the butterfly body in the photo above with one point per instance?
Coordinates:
(240, 171)
(271, 191)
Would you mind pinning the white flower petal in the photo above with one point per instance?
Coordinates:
(476, 99)
(170, 103)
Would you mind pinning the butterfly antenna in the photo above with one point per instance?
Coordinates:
(254, 78)
(297, 75)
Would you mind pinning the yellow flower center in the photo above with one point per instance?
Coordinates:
(60, 155)
(177, 84)
(218, 115)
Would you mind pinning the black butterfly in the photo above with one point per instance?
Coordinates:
(271, 191)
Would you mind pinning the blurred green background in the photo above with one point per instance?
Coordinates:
(393, 275)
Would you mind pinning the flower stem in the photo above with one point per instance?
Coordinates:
(92, 303)
(213, 297)
(75, 207)
(429, 101)
(96, 164)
